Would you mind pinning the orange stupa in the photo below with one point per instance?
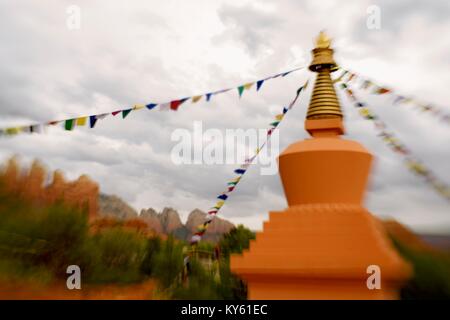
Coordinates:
(325, 244)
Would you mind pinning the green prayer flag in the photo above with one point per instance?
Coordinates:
(240, 90)
(68, 125)
(125, 113)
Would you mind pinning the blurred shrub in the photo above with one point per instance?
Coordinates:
(113, 255)
(431, 279)
(35, 236)
(236, 240)
(168, 263)
(201, 285)
(152, 248)
(40, 240)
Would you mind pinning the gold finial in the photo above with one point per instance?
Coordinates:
(322, 40)
(324, 103)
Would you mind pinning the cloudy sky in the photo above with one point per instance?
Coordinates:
(152, 51)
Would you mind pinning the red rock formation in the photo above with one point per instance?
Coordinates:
(82, 193)
(151, 217)
(215, 230)
(170, 220)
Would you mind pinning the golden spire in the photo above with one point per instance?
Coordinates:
(322, 41)
(324, 103)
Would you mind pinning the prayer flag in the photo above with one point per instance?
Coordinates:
(222, 197)
(68, 124)
(259, 83)
(196, 98)
(248, 86)
(150, 106)
(240, 90)
(125, 113)
(92, 121)
(81, 121)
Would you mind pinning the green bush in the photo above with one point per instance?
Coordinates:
(168, 263)
(113, 256)
(201, 285)
(152, 248)
(235, 241)
(41, 241)
(40, 236)
(431, 278)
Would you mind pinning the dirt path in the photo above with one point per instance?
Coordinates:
(58, 291)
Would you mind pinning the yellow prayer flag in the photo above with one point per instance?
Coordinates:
(247, 86)
(407, 100)
(196, 98)
(138, 106)
(202, 227)
(12, 131)
(306, 84)
(219, 204)
(279, 117)
(81, 121)
(236, 179)
(364, 111)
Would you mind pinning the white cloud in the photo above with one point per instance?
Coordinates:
(153, 51)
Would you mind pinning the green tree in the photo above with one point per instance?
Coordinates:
(235, 241)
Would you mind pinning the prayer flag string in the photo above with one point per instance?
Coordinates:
(412, 163)
(231, 184)
(397, 99)
(172, 105)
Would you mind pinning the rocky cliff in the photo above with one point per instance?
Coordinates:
(84, 193)
(30, 184)
(215, 230)
(114, 207)
(168, 222)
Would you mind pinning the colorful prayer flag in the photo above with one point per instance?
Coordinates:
(92, 121)
(275, 123)
(259, 83)
(81, 121)
(240, 90)
(219, 204)
(248, 86)
(222, 197)
(69, 124)
(125, 113)
(150, 106)
(196, 98)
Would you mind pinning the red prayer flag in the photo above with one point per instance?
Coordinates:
(175, 104)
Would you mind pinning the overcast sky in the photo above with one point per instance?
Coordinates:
(152, 51)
